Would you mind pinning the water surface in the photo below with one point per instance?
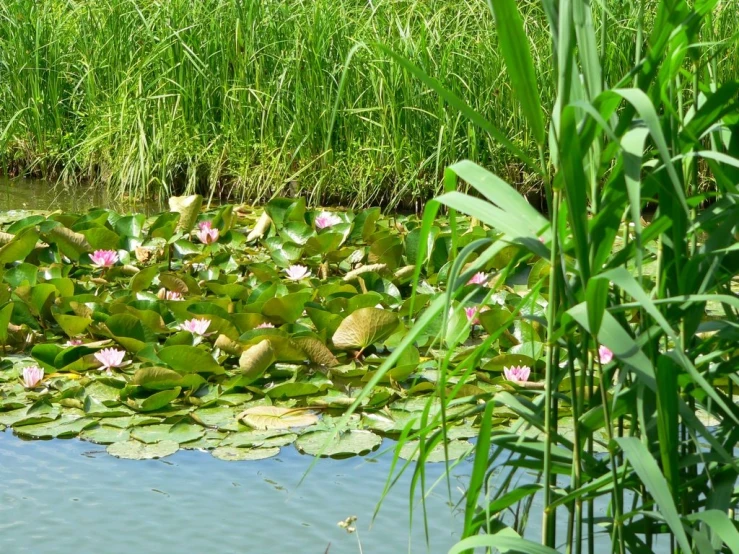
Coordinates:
(70, 496)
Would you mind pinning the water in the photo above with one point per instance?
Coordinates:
(66, 496)
(70, 496)
(21, 197)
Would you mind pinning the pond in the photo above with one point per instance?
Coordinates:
(71, 495)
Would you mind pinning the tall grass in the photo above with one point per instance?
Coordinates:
(236, 96)
(652, 435)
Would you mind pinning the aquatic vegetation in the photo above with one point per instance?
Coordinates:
(627, 424)
(246, 344)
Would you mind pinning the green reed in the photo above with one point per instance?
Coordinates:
(653, 433)
(235, 96)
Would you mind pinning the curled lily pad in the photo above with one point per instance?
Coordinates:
(316, 351)
(364, 327)
(274, 417)
(188, 207)
(331, 444)
(255, 360)
(234, 454)
(135, 450)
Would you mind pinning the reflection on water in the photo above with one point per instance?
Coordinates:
(30, 195)
(70, 496)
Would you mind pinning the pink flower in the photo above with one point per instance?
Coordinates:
(164, 294)
(471, 314)
(104, 258)
(478, 279)
(195, 326)
(110, 357)
(518, 374)
(207, 234)
(326, 219)
(73, 342)
(32, 376)
(605, 355)
(265, 325)
(297, 272)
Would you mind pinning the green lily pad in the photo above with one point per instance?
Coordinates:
(455, 449)
(64, 427)
(104, 434)
(274, 417)
(339, 445)
(181, 432)
(234, 454)
(135, 450)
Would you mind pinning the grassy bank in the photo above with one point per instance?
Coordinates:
(235, 97)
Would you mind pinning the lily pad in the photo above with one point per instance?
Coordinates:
(455, 448)
(135, 450)
(234, 454)
(274, 417)
(339, 445)
(364, 327)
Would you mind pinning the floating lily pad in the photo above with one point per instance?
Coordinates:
(104, 434)
(339, 445)
(135, 450)
(274, 417)
(233, 454)
(182, 432)
(455, 449)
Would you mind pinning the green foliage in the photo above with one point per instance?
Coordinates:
(636, 405)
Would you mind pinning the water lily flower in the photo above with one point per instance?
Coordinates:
(479, 278)
(104, 258)
(32, 376)
(326, 219)
(207, 234)
(471, 314)
(297, 272)
(195, 326)
(73, 342)
(605, 355)
(164, 294)
(110, 358)
(265, 325)
(518, 374)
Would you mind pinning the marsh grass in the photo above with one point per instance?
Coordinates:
(235, 97)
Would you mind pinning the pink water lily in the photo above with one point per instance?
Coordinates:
(265, 325)
(207, 234)
(471, 314)
(195, 326)
(32, 376)
(326, 219)
(104, 258)
(605, 355)
(110, 358)
(297, 272)
(479, 278)
(518, 374)
(165, 294)
(73, 342)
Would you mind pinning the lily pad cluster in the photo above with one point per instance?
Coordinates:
(241, 331)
